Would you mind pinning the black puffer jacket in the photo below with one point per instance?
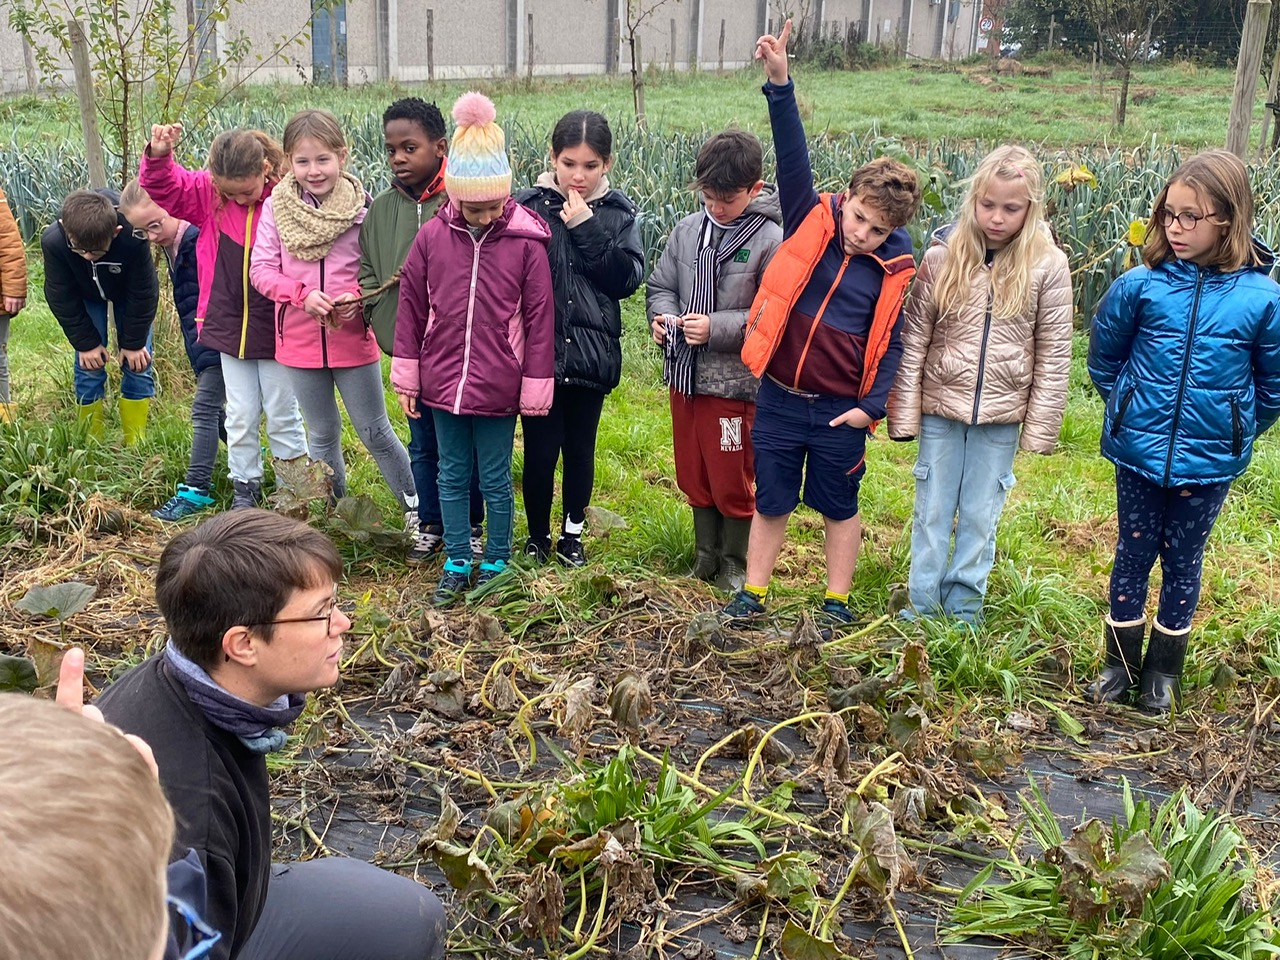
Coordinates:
(594, 264)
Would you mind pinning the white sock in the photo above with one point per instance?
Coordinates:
(572, 529)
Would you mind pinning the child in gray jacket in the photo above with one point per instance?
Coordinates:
(698, 297)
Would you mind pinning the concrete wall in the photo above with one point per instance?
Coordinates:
(452, 39)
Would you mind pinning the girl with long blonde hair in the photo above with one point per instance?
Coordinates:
(986, 341)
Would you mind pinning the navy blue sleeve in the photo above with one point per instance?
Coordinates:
(63, 294)
(876, 403)
(794, 172)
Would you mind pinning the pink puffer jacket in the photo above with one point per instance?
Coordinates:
(301, 340)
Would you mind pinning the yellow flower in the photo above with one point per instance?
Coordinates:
(1137, 234)
(1072, 177)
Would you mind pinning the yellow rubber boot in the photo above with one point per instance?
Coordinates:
(7, 411)
(133, 420)
(93, 413)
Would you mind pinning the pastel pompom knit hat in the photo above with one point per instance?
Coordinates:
(478, 168)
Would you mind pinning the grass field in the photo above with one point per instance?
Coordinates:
(73, 508)
(1178, 102)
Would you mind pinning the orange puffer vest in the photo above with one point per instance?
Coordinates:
(788, 273)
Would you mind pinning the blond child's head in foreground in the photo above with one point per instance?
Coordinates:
(1002, 211)
(882, 196)
(1204, 215)
(478, 177)
(82, 855)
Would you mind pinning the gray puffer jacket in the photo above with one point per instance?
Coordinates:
(971, 367)
(720, 371)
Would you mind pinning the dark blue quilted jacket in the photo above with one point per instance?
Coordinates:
(186, 295)
(1188, 361)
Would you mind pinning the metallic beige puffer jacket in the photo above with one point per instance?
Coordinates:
(973, 368)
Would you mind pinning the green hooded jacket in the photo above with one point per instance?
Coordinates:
(392, 221)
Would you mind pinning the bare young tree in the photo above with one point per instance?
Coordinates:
(1124, 36)
(635, 14)
(146, 64)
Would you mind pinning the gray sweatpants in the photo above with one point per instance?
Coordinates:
(337, 908)
(361, 391)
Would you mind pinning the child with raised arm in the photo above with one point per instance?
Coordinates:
(597, 259)
(823, 335)
(177, 239)
(13, 295)
(92, 259)
(698, 295)
(414, 135)
(473, 337)
(986, 355)
(1185, 350)
(225, 202)
(307, 261)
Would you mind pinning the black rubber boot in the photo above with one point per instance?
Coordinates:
(1160, 688)
(706, 539)
(734, 534)
(1120, 670)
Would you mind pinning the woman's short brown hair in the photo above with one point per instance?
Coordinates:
(239, 568)
(85, 835)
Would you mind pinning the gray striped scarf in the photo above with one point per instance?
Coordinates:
(679, 362)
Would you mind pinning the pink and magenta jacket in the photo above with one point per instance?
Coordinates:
(475, 328)
(301, 339)
(231, 316)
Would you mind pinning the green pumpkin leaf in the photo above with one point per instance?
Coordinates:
(59, 601)
(17, 674)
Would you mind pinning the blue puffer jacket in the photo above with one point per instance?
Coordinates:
(1188, 361)
(186, 295)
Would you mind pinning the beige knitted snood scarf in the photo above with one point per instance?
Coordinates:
(308, 232)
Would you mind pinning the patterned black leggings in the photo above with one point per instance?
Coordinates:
(1172, 523)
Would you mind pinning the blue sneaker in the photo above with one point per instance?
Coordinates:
(454, 582)
(186, 502)
(489, 572)
(833, 617)
(742, 609)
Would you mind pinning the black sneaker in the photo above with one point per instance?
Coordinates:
(743, 608)
(569, 551)
(477, 542)
(428, 541)
(539, 548)
(248, 493)
(454, 582)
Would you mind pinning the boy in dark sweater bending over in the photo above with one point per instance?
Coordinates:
(823, 335)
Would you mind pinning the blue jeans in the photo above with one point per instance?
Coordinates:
(485, 442)
(91, 385)
(424, 458)
(963, 475)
